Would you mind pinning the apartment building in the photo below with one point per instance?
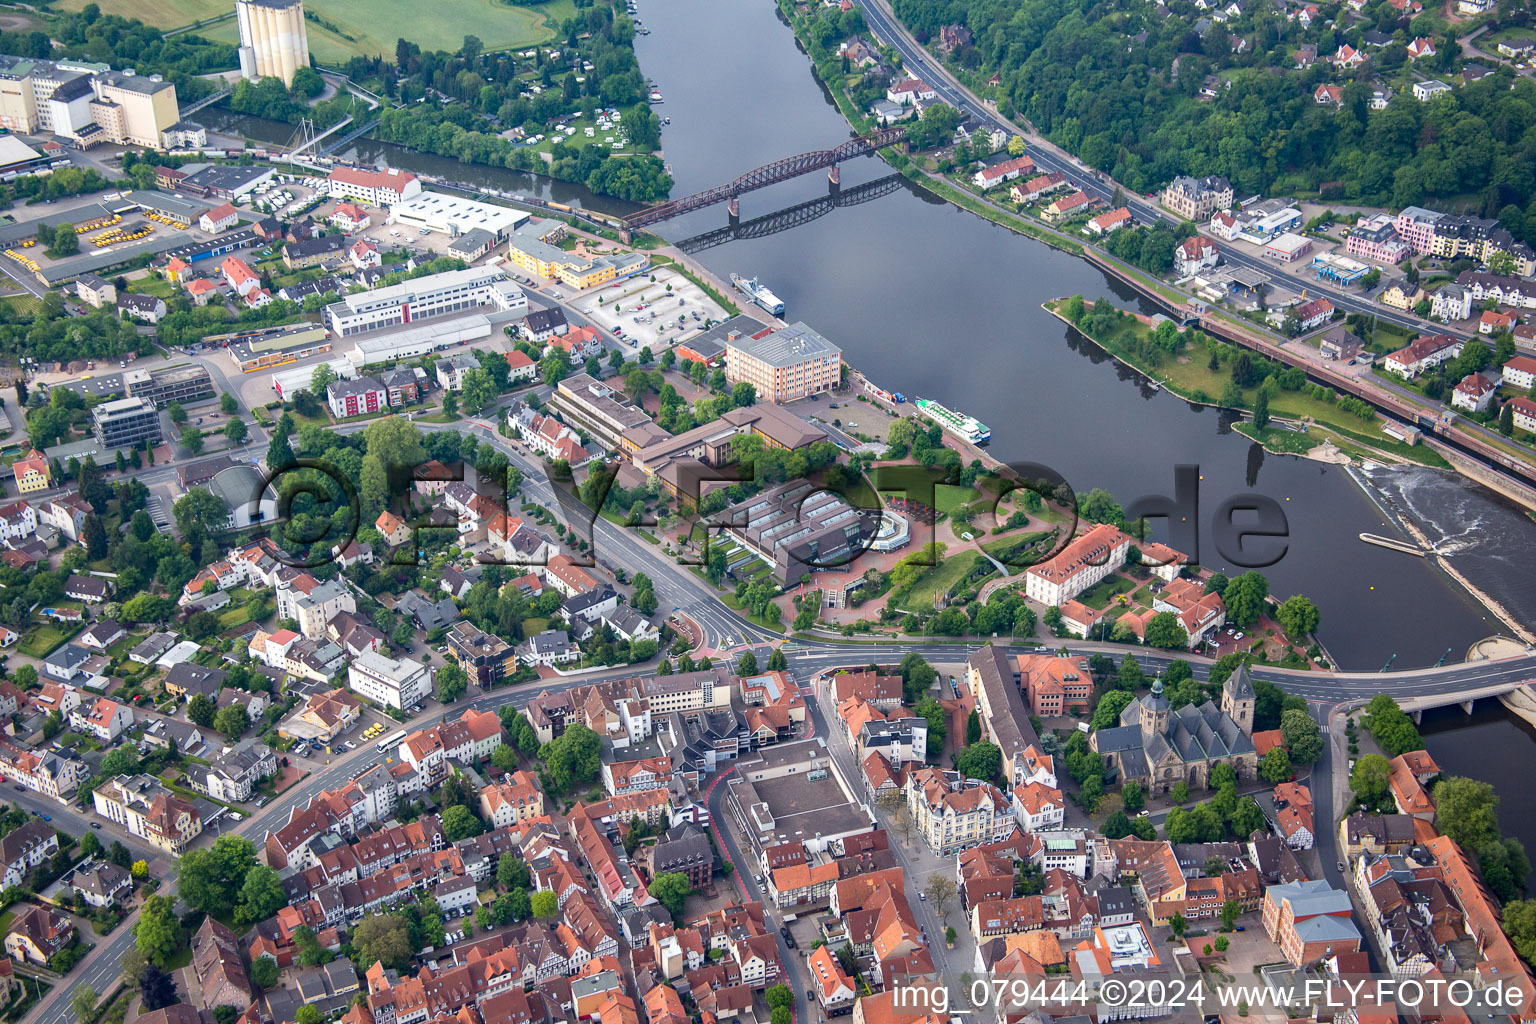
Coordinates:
(144, 807)
(953, 813)
(423, 297)
(376, 188)
(1196, 199)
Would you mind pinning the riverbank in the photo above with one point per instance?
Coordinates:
(1326, 437)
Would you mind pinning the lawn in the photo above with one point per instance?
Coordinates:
(153, 285)
(369, 28)
(25, 305)
(1102, 593)
(45, 639)
(939, 579)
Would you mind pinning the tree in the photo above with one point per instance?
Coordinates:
(211, 879)
(1392, 729)
(201, 710)
(1229, 911)
(452, 682)
(228, 404)
(1107, 714)
(83, 998)
(177, 414)
(1222, 943)
(1244, 598)
(262, 893)
(1164, 631)
(916, 677)
(1298, 616)
(1302, 736)
(972, 727)
(1276, 766)
(778, 995)
(1507, 420)
(308, 1014)
(776, 661)
(460, 823)
(264, 972)
(192, 440)
(1371, 779)
(1520, 925)
(236, 431)
(478, 391)
(746, 665)
(1132, 797)
(573, 757)
(1466, 810)
(383, 938)
(90, 845)
(1180, 792)
(95, 538)
(982, 761)
(157, 989)
(200, 513)
(511, 872)
(1261, 409)
(157, 933)
(941, 888)
(1179, 925)
(544, 904)
(232, 721)
(672, 890)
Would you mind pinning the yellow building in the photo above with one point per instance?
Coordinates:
(135, 109)
(535, 248)
(32, 472)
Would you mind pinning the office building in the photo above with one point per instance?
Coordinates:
(396, 684)
(273, 39)
(186, 385)
(126, 422)
(423, 297)
(376, 188)
(789, 363)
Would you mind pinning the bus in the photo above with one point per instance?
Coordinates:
(392, 740)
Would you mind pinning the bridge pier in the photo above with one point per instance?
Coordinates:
(625, 236)
(1466, 706)
(733, 207)
(834, 176)
(1418, 716)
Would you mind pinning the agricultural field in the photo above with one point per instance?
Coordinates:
(367, 26)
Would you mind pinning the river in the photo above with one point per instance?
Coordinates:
(927, 299)
(1497, 747)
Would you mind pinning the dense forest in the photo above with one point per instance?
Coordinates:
(1120, 87)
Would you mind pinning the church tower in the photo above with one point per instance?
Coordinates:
(1238, 699)
(1154, 710)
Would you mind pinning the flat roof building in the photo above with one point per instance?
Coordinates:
(423, 297)
(455, 215)
(126, 422)
(788, 364)
(186, 385)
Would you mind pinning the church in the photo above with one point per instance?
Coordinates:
(1159, 747)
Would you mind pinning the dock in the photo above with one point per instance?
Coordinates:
(1395, 545)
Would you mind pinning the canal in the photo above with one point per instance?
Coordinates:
(932, 301)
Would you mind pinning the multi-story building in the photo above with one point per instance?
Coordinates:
(954, 813)
(135, 109)
(1422, 354)
(147, 809)
(376, 188)
(85, 104)
(1309, 921)
(186, 385)
(24, 848)
(50, 773)
(434, 295)
(396, 684)
(273, 38)
(103, 718)
(356, 397)
(485, 657)
(126, 422)
(234, 774)
(1376, 238)
(785, 365)
(1055, 686)
(32, 472)
(1416, 226)
(515, 799)
(1197, 198)
(1085, 561)
(534, 248)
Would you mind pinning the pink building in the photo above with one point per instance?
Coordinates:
(1376, 239)
(1416, 226)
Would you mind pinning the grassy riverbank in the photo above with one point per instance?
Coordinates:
(1187, 373)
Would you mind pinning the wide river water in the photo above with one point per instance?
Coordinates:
(929, 300)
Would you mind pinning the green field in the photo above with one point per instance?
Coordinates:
(373, 27)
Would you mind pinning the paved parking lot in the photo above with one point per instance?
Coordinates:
(666, 299)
